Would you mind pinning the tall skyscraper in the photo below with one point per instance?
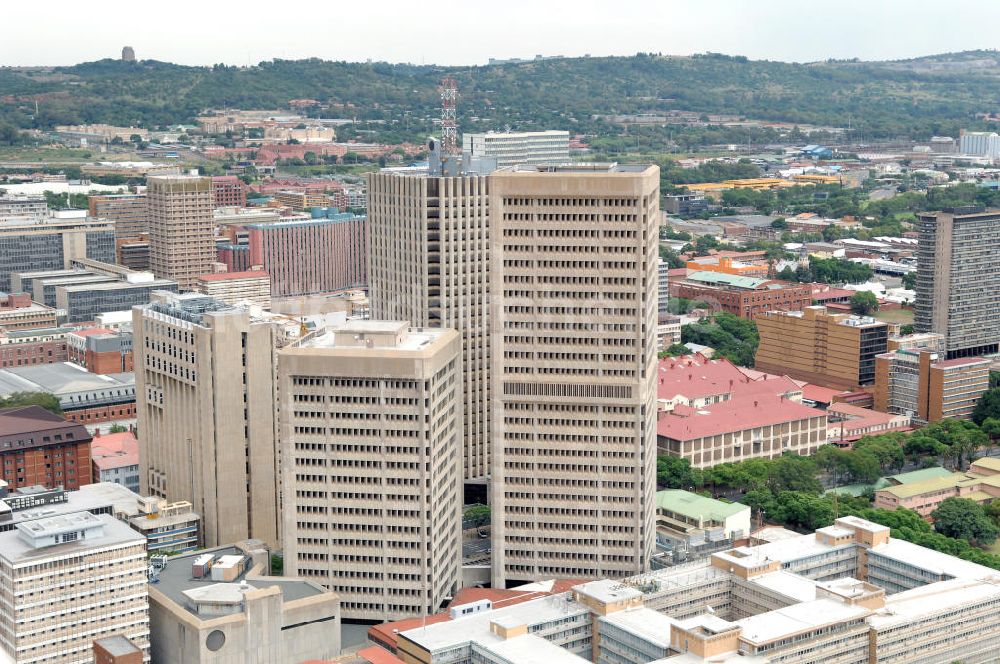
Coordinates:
(204, 375)
(181, 227)
(429, 264)
(574, 302)
(958, 279)
(370, 426)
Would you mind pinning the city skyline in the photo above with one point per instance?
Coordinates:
(434, 33)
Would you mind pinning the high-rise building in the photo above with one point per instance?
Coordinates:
(205, 405)
(573, 315)
(97, 571)
(370, 428)
(922, 384)
(429, 263)
(181, 227)
(958, 279)
(302, 257)
(511, 148)
(833, 350)
(53, 244)
(128, 211)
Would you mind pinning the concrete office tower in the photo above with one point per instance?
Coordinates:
(429, 263)
(181, 227)
(370, 427)
(205, 405)
(574, 303)
(53, 244)
(511, 148)
(923, 385)
(67, 581)
(958, 279)
(128, 211)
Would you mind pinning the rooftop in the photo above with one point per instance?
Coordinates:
(737, 414)
(798, 618)
(16, 551)
(115, 450)
(933, 483)
(651, 625)
(695, 506)
(921, 475)
(61, 379)
(793, 586)
(232, 276)
(910, 605)
(722, 279)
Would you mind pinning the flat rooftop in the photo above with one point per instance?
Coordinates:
(16, 551)
(61, 378)
(910, 605)
(793, 586)
(651, 625)
(581, 168)
(175, 579)
(798, 618)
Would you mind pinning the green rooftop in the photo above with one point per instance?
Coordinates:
(720, 279)
(694, 506)
(918, 475)
(925, 486)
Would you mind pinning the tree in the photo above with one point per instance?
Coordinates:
(704, 244)
(910, 280)
(864, 303)
(676, 473)
(47, 401)
(779, 224)
(991, 427)
(965, 519)
(117, 428)
(477, 515)
(791, 472)
(988, 406)
(786, 274)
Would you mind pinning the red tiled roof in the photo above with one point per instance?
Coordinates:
(820, 394)
(738, 414)
(91, 331)
(226, 276)
(378, 655)
(694, 376)
(115, 450)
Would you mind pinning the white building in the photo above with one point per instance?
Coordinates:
(522, 147)
(980, 143)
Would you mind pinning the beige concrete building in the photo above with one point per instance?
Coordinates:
(205, 405)
(252, 286)
(832, 350)
(221, 607)
(429, 263)
(922, 384)
(511, 148)
(66, 581)
(574, 305)
(370, 430)
(181, 227)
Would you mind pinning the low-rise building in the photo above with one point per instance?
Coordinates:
(832, 350)
(848, 423)
(38, 447)
(101, 350)
(219, 605)
(980, 483)
(743, 296)
(695, 520)
(34, 346)
(85, 397)
(922, 384)
(18, 312)
(115, 458)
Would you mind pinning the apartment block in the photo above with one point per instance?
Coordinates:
(832, 350)
(191, 351)
(181, 227)
(958, 279)
(100, 564)
(429, 263)
(845, 594)
(40, 448)
(302, 257)
(252, 286)
(519, 147)
(922, 384)
(301, 200)
(370, 430)
(746, 297)
(573, 314)
(52, 244)
(228, 191)
(129, 212)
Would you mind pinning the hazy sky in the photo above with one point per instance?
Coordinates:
(49, 32)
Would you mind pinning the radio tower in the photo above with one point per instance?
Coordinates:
(449, 125)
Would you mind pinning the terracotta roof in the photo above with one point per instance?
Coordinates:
(91, 331)
(226, 276)
(378, 655)
(694, 376)
(115, 450)
(820, 394)
(738, 414)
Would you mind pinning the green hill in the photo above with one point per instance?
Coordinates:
(914, 98)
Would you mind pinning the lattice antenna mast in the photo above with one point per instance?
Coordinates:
(449, 123)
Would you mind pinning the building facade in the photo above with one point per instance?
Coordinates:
(958, 279)
(922, 384)
(181, 227)
(39, 448)
(100, 350)
(115, 459)
(746, 297)
(129, 212)
(205, 402)
(101, 566)
(253, 286)
(52, 244)
(23, 208)
(370, 429)
(573, 317)
(832, 350)
(228, 191)
(34, 346)
(519, 147)
(322, 255)
(429, 263)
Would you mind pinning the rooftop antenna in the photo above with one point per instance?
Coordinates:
(449, 124)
